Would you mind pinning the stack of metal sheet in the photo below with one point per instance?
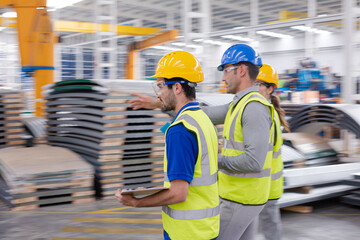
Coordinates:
(354, 197)
(292, 157)
(12, 131)
(291, 108)
(125, 146)
(313, 118)
(34, 127)
(315, 149)
(40, 176)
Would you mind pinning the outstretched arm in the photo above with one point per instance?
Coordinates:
(144, 101)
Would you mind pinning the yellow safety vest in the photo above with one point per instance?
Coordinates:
(277, 166)
(244, 188)
(198, 217)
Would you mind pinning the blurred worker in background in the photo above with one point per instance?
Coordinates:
(191, 204)
(269, 218)
(245, 161)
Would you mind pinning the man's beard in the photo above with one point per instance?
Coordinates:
(170, 105)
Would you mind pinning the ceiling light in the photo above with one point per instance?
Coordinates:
(238, 27)
(309, 29)
(178, 44)
(213, 42)
(238, 38)
(165, 48)
(193, 46)
(2, 28)
(61, 4)
(273, 34)
(9, 14)
(208, 41)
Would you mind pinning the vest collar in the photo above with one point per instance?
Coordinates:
(238, 96)
(188, 106)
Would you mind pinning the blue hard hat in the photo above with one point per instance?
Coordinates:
(240, 53)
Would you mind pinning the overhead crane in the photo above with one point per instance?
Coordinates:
(37, 38)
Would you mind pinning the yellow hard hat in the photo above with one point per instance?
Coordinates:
(179, 64)
(268, 74)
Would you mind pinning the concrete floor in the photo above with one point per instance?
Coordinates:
(108, 220)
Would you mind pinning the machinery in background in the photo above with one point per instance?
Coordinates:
(309, 84)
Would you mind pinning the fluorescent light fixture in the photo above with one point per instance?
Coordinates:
(193, 46)
(238, 27)
(165, 48)
(178, 44)
(213, 42)
(61, 4)
(2, 28)
(273, 34)
(179, 36)
(238, 38)
(309, 29)
(9, 14)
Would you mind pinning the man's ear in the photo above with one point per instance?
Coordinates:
(177, 88)
(243, 70)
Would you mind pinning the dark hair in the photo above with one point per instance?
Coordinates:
(190, 92)
(275, 100)
(252, 69)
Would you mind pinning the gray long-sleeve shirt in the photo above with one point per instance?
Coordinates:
(256, 123)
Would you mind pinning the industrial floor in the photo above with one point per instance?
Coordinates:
(108, 220)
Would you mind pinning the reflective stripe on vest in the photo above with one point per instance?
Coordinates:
(191, 214)
(199, 181)
(277, 154)
(245, 188)
(202, 203)
(206, 178)
(277, 175)
(264, 173)
(277, 180)
(240, 146)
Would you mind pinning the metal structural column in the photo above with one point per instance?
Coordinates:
(203, 14)
(254, 21)
(309, 36)
(351, 11)
(105, 50)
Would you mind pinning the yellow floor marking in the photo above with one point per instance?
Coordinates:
(119, 220)
(113, 230)
(109, 210)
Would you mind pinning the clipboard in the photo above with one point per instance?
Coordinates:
(146, 191)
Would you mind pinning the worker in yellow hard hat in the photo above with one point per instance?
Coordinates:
(269, 218)
(191, 204)
(245, 160)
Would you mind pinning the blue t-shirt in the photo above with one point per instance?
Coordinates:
(181, 151)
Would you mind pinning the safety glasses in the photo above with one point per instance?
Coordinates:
(158, 86)
(267, 85)
(229, 69)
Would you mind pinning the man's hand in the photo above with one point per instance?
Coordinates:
(127, 200)
(144, 101)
